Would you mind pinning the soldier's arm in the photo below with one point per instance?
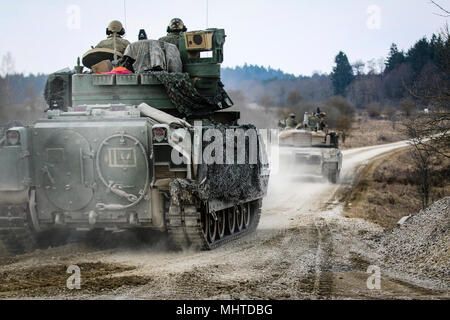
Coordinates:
(100, 44)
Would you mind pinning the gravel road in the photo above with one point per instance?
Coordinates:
(303, 249)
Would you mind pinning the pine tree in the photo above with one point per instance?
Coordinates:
(342, 74)
(395, 58)
(419, 55)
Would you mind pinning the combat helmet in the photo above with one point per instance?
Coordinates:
(176, 25)
(115, 27)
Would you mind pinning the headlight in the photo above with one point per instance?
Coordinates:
(13, 138)
(159, 135)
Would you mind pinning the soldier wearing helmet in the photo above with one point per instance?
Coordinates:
(291, 122)
(115, 32)
(174, 31)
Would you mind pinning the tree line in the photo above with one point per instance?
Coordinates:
(386, 82)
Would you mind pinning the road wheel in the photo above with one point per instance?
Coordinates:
(205, 226)
(231, 221)
(247, 212)
(212, 229)
(221, 223)
(239, 219)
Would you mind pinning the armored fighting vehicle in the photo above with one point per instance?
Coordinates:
(123, 151)
(310, 149)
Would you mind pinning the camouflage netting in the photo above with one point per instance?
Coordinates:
(186, 98)
(150, 55)
(230, 183)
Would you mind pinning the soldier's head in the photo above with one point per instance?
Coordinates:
(292, 116)
(115, 27)
(176, 26)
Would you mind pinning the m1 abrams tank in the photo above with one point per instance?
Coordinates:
(310, 149)
(124, 152)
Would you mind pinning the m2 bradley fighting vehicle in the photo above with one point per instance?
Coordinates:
(309, 148)
(123, 151)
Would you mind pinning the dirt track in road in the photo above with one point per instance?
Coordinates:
(303, 249)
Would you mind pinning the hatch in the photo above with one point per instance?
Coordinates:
(66, 165)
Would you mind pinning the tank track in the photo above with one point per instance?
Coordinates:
(189, 233)
(16, 234)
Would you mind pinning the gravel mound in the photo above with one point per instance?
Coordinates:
(421, 246)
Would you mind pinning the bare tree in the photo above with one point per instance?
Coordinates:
(7, 67)
(372, 66)
(445, 13)
(391, 114)
(407, 106)
(381, 62)
(421, 157)
(434, 126)
(429, 132)
(358, 67)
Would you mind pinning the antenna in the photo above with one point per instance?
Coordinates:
(207, 13)
(125, 13)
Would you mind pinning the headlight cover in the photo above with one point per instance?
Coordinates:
(13, 138)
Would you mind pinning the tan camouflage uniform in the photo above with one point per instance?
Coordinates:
(121, 44)
(291, 123)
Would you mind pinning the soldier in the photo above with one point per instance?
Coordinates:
(174, 31)
(115, 31)
(291, 122)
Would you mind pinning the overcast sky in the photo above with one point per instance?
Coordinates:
(297, 36)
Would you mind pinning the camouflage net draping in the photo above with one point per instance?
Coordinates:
(186, 98)
(225, 182)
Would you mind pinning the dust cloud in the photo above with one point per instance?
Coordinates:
(291, 188)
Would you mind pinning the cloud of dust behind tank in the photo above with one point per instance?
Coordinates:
(289, 181)
(261, 117)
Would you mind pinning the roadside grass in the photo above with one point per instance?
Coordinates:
(370, 132)
(386, 189)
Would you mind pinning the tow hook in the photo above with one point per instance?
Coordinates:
(93, 218)
(133, 219)
(59, 219)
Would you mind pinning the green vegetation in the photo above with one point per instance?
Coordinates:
(342, 74)
(390, 188)
(387, 83)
